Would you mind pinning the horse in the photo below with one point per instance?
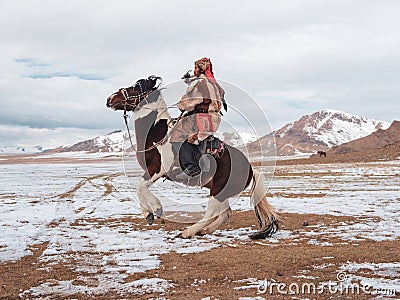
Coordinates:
(233, 172)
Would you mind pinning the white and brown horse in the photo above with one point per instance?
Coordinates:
(232, 173)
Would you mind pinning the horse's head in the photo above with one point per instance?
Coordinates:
(129, 98)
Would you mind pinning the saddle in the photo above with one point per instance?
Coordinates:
(213, 146)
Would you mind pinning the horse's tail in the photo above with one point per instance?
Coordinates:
(266, 217)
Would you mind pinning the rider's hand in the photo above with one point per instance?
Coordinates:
(193, 139)
(186, 75)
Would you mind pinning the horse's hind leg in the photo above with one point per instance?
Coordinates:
(209, 229)
(149, 204)
(214, 209)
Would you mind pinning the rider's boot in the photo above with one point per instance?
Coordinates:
(187, 159)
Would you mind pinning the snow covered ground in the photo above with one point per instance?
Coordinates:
(77, 208)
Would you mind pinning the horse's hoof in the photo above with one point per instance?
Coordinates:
(183, 235)
(150, 219)
(159, 212)
(179, 236)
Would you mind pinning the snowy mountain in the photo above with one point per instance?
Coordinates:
(334, 127)
(318, 131)
(112, 142)
(237, 138)
(380, 139)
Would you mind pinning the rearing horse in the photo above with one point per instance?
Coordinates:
(233, 172)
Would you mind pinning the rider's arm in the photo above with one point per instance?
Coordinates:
(193, 96)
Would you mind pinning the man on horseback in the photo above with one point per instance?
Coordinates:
(233, 171)
(201, 103)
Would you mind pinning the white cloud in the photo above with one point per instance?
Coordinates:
(293, 56)
(45, 137)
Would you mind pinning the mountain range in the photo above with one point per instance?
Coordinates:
(320, 131)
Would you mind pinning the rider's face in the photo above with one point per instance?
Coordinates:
(197, 70)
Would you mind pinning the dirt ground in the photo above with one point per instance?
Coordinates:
(222, 272)
(231, 271)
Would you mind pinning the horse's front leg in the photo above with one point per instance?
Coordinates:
(149, 204)
(214, 209)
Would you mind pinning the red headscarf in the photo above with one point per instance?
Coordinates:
(206, 65)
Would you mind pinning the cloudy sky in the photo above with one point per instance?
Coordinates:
(61, 59)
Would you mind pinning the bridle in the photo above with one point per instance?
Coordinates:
(137, 99)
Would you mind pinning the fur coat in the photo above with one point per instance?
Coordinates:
(202, 102)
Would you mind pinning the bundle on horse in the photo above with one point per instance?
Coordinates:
(232, 173)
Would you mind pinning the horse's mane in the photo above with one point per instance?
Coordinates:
(145, 85)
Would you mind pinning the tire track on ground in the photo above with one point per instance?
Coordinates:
(109, 188)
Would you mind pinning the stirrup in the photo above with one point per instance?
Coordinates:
(185, 176)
